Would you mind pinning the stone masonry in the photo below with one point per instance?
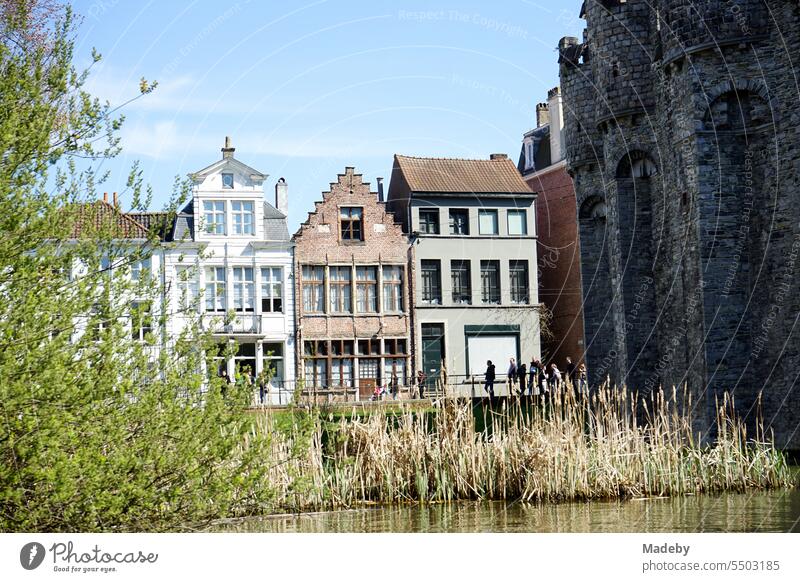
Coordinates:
(683, 141)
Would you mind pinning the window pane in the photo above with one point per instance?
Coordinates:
(313, 288)
(490, 282)
(517, 223)
(462, 286)
(518, 273)
(271, 288)
(459, 222)
(341, 289)
(393, 288)
(367, 291)
(431, 282)
(215, 289)
(429, 221)
(488, 221)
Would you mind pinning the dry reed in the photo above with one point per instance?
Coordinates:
(567, 448)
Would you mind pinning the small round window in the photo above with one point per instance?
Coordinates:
(227, 180)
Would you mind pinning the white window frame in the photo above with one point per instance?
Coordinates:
(496, 224)
(517, 212)
(272, 289)
(243, 219)
(218, 291)
(214, 217)
(393, 289)
(244, 289)
(186, 286)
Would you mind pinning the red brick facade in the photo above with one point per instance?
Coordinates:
(382, 246)
(559, 261)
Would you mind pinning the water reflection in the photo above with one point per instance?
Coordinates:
(755, 512)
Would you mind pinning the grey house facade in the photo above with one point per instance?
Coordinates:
(473, 264)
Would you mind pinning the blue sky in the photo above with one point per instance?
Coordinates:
(307, 88)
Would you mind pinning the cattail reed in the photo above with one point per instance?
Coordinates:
(614, 444)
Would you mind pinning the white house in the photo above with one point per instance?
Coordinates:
(229, 251)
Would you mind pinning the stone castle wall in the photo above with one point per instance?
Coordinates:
(683, 143)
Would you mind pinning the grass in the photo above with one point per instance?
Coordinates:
(610, 446)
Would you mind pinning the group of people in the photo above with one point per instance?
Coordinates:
(538, 379)
(246, 376)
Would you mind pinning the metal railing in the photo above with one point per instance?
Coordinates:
(443, 386)
(246, 323)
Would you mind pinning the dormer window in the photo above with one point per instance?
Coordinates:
(243, 217)
(227, 181)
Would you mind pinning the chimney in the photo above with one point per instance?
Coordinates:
(105, 197)
(380, 189)
(116, 201)
(498, 157)
(282, 196)
(556, 125)
(542, 114)
(227, 151)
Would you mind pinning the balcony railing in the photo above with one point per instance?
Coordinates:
(242, 323)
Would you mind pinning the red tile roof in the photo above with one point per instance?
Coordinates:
(495, 176)
(101, 216)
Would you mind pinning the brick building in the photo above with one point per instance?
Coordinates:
(682, 141)
(352, 288)
(544, 168)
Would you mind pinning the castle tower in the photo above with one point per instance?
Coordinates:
(686, 169)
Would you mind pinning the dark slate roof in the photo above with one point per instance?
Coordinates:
(541, 150)
(274, 223)
(159, 223)
(454, 175)
(184, 224)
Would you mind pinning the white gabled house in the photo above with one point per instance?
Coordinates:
(233, 246)
(229, 251)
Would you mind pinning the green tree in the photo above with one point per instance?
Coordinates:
(99, 430)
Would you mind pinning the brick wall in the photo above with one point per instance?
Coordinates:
(559, 262)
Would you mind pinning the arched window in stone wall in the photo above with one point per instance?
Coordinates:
(636, 164)
(593, 208)
(737, 110)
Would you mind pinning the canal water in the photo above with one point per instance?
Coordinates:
(753, 512)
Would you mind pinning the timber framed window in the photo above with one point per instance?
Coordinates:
(351, 223)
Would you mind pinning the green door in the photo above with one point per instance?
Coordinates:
(432, 352)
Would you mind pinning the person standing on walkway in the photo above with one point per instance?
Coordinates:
(421, 383)
(583, 380)
(555, 378)
(489, 376)
(533, 373)
(522, 376)
(572, 373)
(394, 383)
(512, 375)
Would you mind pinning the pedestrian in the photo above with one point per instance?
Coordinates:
(572, 372)
(544, 381)
(394, 383)
(226, 380)
(262, 387)
(421, 383)
(512, 375)
(555, 378)
(522, 376)
(533, 380)
(583, 380)
(489, 375)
